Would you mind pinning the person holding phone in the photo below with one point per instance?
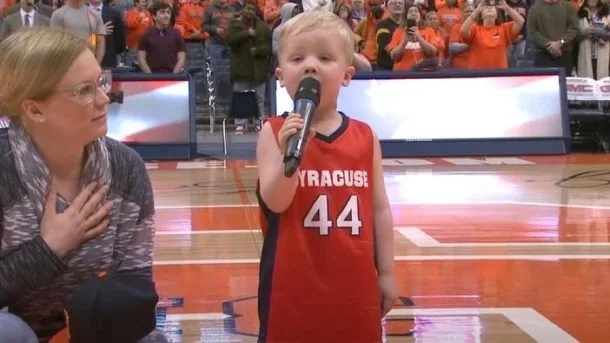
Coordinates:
(488, 37)
(411, 43)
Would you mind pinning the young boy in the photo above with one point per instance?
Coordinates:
(326, 273)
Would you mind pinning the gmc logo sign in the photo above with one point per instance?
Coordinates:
(582, 88)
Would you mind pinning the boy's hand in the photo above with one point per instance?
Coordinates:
(292, 124)
(389, 293)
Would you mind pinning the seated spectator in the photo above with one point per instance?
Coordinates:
(74, 204)
(593, 48)
(385, 30)
(458, 50)
(250, 41)
(413, 45)
(162, 48)
(488, 37)
(27, 17)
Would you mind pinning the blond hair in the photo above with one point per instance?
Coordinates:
(318, 20)
(32, 62)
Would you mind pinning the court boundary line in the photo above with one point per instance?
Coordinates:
(421, 239)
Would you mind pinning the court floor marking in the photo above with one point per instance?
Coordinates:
(529, 320)
(423, 240)
(414, 234)
(415, 203)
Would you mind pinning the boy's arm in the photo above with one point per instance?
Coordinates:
(384, 233)
(276, 190)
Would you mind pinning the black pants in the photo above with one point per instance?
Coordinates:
(543, 59)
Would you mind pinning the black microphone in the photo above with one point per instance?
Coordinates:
(306, 100)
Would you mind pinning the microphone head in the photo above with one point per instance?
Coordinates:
(309, 89)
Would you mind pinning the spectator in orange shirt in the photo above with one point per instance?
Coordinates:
(191, 19)
(458, 50)
(138, 21)
(412, 44)
(367, 29)
(489, 38)
(449, 15)
(442, 36)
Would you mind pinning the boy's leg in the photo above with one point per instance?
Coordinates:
(14, 329)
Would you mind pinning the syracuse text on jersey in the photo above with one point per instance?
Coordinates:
(333, 178)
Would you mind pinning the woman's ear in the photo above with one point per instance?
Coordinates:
(31, 110)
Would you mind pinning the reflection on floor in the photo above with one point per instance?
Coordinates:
(488, 250)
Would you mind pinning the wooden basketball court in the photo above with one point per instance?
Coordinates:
(487, 250)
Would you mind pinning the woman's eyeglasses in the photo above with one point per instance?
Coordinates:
(85, 93)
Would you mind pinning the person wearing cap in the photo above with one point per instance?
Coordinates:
(76, 207)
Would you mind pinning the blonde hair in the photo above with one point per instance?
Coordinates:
(32, 62)
(314, 20)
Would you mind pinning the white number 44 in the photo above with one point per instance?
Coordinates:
(318, 216)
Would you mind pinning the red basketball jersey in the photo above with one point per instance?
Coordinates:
(318, 281)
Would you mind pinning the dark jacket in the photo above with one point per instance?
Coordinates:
(246, 67)
(115, 42)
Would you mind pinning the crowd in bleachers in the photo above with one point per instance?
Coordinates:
(239, 37)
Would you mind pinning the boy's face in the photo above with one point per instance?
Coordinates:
(319, 54)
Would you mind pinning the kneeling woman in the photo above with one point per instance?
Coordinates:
(73, 203)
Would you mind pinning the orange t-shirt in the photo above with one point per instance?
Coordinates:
(137, 24)
(439, 4)
(191, 18)
(488, 45)
(413, 53)
(461, 60)
(449, 17)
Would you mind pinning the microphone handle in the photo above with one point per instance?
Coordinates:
(296, 143)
